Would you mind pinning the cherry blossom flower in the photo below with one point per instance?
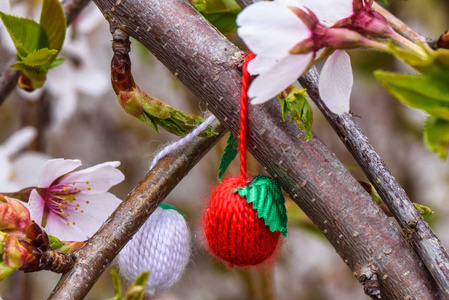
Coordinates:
(73, 205)
(287, 36)
(19, 168)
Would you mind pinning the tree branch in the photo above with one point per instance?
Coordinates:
(9, 77)
(100, 250)
(424, 240)
(400, 26)
(203, 60)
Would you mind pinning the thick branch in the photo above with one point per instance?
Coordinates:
(424, 240)
(202, 59)
(100, 250)
(8, 76)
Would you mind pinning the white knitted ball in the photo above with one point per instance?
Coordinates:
(161, 246)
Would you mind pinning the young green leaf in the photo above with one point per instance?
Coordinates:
(220, 13)
(55, 243)
(40, 58)
(27, 35)
(425, 92)
(436, 136)
(230, 152)
(137, 290)
(425, 211)
(116, 284)
(54, 23)
(298, 106)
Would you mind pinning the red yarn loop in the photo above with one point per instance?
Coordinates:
(244, 114)
(233, 230)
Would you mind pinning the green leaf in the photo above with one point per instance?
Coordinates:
(224, 22)
(116, 284)
(436, 136)
(55, 243)
(220, 13)
(54, 23)
(425, 211)
(27, 35)
(56, 62)
(158, 113)
(230, 152)
(267, 198)
(137, 290)
(427, 93)
(40, 58)
(430, 61)
(297, 104)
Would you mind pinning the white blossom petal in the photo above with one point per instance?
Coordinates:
(329, 11)
(336, 81)
(19, 140)
(27, 167)
(274, 81)
(54, 169)
(261, 64)
(99, 178)
(271, 28)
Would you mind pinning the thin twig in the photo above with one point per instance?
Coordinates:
(424, 240)
(100, 250)
(8, 81)
(203, 59)
(400, 26)
(8, 76)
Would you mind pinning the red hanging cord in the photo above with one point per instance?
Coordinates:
(244, 115)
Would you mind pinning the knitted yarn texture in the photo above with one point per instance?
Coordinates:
(162, 246)
(233, 230)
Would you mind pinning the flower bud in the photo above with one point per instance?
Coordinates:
(14, 217)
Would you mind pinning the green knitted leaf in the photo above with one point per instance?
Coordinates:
(266, 196)
(168, 206)
(230, 152)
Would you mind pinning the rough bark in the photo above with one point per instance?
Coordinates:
(204, 60)
(416, 229)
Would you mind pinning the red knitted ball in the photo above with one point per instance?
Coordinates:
(233, 230)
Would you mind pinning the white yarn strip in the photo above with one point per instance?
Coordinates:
(172, 147)
(161, 246)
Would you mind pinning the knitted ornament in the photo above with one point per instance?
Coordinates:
(161, 246)
(245, 218)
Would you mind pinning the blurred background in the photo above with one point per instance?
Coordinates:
(77, 116)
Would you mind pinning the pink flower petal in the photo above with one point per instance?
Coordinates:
(98, 178)
(96, 209)
(329, 11)
(36, 205)
(336, 81)
(281, 75)
(54, 169)
(56, 226)
(271, 28)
